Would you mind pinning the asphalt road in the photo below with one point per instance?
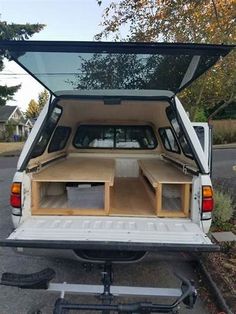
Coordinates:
(223, 162)
(153, 271)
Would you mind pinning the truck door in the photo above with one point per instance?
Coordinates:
(204, 133)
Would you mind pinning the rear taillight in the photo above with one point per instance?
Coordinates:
(207, 202)
(207, 205)
(15, 199)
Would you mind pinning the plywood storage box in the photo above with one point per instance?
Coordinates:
(170, 187)
(75, 172)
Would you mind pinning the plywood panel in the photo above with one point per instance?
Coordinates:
(186, 198)
(130, 198)
(69, 212)
(35, 196)
(159, 171)
(107, 198)
(79, 170)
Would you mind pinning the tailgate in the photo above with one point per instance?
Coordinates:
(119, 233)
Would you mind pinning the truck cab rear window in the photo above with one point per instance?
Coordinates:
(115, 137)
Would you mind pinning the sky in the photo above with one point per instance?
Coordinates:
(65, 20)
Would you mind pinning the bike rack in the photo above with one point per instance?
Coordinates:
(105, 292)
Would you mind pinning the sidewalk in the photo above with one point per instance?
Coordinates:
(13, 153)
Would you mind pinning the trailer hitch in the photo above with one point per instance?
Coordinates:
(105, 293)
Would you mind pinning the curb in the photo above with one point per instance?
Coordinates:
(10, 154)
(225, 146)
(220, 300)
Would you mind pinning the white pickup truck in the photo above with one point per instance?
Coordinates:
(113, 167)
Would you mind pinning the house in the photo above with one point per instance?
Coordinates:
(13, 124)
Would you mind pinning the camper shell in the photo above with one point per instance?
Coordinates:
(113, 161)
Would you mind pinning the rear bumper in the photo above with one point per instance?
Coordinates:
(104, 245)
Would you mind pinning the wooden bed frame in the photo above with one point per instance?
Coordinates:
(122, 196)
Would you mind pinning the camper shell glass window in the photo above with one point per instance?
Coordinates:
(200, 134)
(59, 139)
(65, 67)
(169, 140)
(179, 132)
(46, 133)
(115, 137)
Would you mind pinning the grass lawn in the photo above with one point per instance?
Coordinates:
(9, 147)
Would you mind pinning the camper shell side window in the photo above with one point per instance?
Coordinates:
(47, 132)
(59, 139)
(169, 140)
(177, 128)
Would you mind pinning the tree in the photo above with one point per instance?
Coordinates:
(9, 130)
(129, 71)
(200, 115)
(124, 71)
(16, 32)
(33, 110)
(209, 21)
(43, 98)
(203, 21)
(7, 93)
(35, 107)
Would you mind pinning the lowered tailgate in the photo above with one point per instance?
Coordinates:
(119, 233)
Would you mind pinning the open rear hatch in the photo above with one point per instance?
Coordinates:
(146, 69)
(109, 233)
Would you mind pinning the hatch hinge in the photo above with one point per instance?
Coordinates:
(38, 166)
(185, 169)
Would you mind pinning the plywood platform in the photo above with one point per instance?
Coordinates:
(158, 171)
(79, 170)
(130, 198)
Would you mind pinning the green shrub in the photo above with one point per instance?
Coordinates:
(223, 210)
(224, 136)
(199, 115)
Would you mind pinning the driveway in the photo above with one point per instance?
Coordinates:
(223, 162)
